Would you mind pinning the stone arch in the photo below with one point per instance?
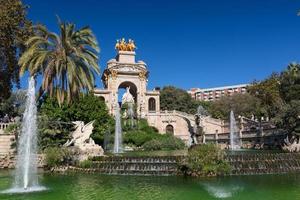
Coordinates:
(170, 129)
(133, 88)
(151, 105)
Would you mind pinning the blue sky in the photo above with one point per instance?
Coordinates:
(188, 43)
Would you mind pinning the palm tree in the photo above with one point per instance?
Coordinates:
(68, 62)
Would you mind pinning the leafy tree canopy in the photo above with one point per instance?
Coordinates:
(267, 91)
(14, 31)
(290, 83)
(172, 98)
(289, 117)
(241, 104)
(280, 95)
(14, 105)
(87, 108)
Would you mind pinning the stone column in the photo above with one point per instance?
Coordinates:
(142, 92)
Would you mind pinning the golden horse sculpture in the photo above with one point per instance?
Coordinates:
(122, 45)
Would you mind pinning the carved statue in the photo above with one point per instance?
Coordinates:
(142, 75)
(291, 146)
(127, 97)
(113, 74)
(122, 45)
(81, 134)
(82, 140)
(117, 46)
(197, 137)
(131, 46)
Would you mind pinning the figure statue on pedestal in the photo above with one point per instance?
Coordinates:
(82, 140)
(198, 134)
(129, 112)
(122, 45)
(127, 97)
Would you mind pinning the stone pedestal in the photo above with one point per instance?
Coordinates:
(126, 57)
(89, 150)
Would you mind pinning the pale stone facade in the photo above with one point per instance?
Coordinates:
(183, 124)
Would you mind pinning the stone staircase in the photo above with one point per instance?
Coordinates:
(154, 166)
(6, 140)
(264, 163)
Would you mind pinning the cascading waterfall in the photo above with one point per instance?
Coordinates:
(118, 131)
(26, 179)
(234, 133)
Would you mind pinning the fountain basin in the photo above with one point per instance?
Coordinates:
(95, 186)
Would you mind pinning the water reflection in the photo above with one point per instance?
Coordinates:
(220, 190)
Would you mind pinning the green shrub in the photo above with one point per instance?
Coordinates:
(164, 142)
(205, 160)
(138, 138)
(143, 125)
(86, 164)
(141, 134)
(150, 139)
(56, 156)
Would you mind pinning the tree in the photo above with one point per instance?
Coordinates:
(172, 98)
(268, 92)
(14, 31)
(68, 62)
(290, 83)
(59, 117)
(241, 104)
(14, 105)
(289, 117)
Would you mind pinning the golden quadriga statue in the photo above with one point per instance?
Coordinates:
(122, 45)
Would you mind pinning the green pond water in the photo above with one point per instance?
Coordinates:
(97, 187)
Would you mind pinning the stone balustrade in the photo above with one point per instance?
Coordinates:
(3, 126)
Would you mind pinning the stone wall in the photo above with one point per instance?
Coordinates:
(122, 165)
(8, 161)
(161, 120)
(264, 163)
(183, 124)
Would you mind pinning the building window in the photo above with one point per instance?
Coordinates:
(170, 129)
(151, 105)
